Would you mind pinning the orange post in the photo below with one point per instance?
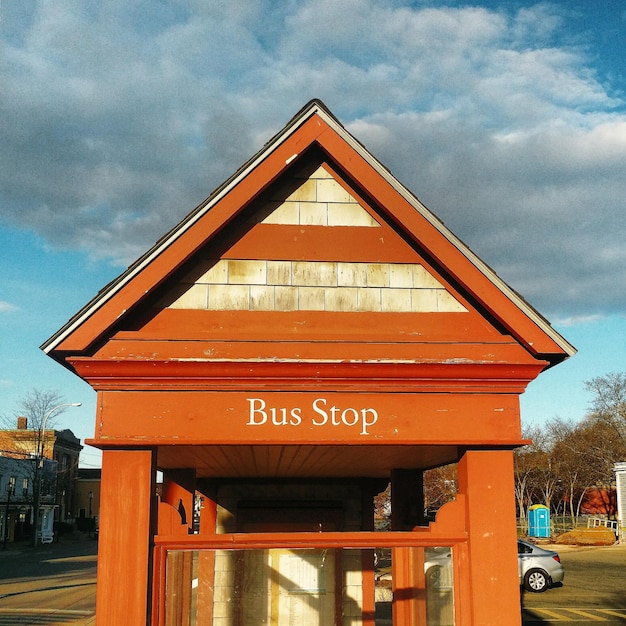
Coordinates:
(486, 479)
(124, 538)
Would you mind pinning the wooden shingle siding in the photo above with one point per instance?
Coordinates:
(242, 285)
(318, 201)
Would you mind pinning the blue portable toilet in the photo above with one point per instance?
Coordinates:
(539, 521)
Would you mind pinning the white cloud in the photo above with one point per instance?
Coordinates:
(7, 307)
(117, 120)
(578, 321)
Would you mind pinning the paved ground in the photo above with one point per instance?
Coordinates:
(592, 592)
(53, 584)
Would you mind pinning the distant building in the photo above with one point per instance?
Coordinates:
(86, 497)
(60, 446)
(599, 501)
(17, 477)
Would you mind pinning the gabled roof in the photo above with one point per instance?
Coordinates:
(314, 125)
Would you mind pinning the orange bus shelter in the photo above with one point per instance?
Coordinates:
(308, 334)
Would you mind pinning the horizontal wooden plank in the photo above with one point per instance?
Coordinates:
(323, 243)
(424, 537)
(289, 418)
(176, 324)
(318, 351)
(192, 374)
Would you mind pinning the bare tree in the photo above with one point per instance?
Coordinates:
(583, 456)
(604, 447)
(609, 401)
(570, 453)
(528, 461)
(547, 480)
(607, 421)
(38, 406)
(382, 508)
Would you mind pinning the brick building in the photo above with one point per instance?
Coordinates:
(60, 446)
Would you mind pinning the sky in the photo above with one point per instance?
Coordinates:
(506, 119)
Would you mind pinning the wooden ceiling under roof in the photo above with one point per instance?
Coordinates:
(299, 461)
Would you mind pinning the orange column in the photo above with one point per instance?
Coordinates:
(486, 479)
(122, 592)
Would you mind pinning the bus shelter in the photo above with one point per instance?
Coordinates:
(308, 334)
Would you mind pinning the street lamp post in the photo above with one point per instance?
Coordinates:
(10, 491)
(40, 455)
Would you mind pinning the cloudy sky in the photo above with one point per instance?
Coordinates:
(507, 119)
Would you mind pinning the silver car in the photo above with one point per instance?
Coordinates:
(539, 569)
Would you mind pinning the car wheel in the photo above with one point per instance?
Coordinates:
(536, 580)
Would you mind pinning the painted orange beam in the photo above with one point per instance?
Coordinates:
(305, 418)
(420, 537)
(324, 326)
(435, 353)
(277, 376)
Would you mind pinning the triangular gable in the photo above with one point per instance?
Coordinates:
(410, 284)
(281, 278)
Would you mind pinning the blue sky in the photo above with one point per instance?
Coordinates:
(507, 119)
